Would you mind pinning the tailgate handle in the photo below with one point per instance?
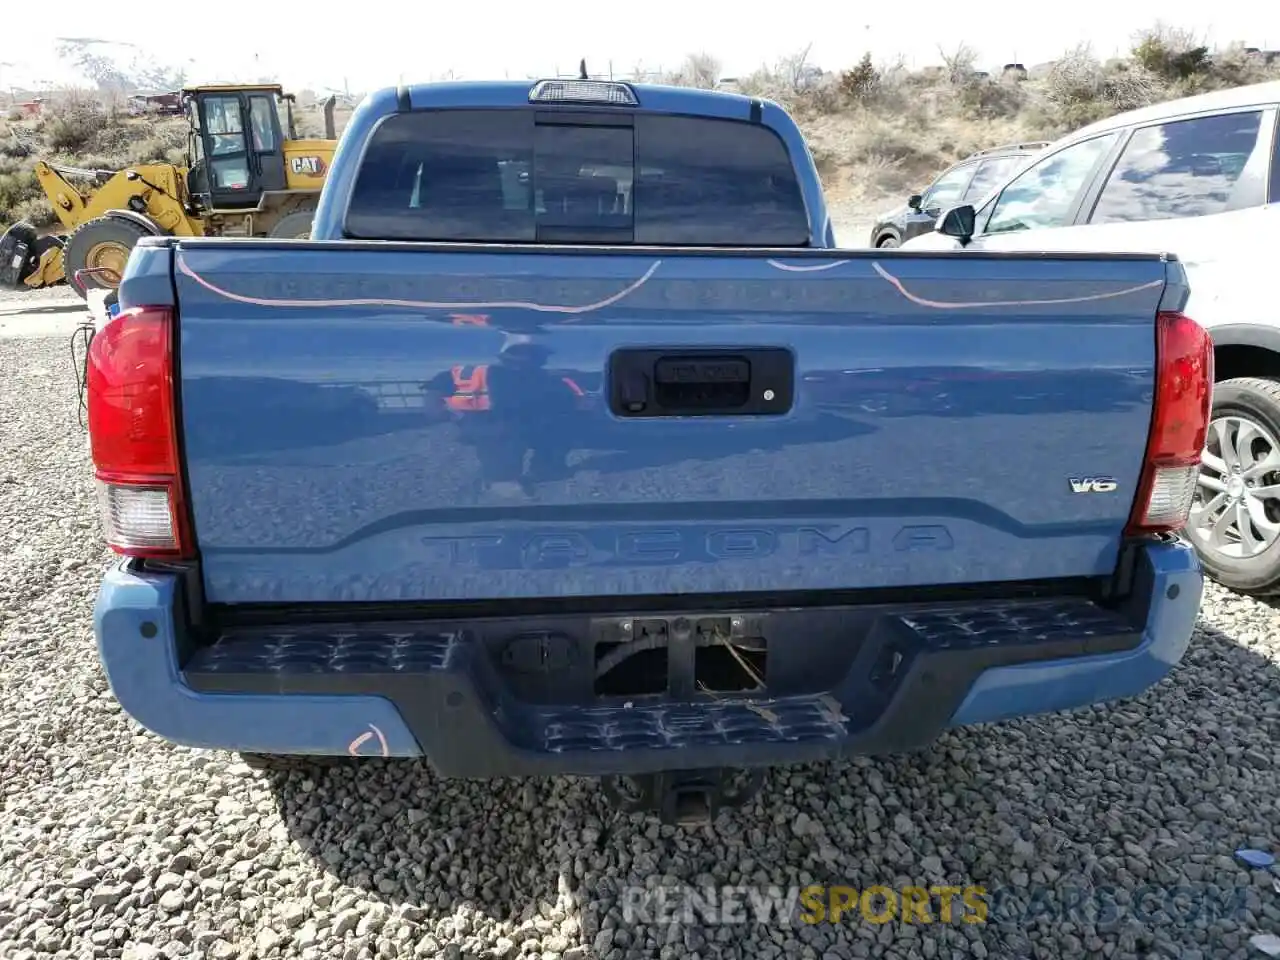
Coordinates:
(710, 371)
(705, 382)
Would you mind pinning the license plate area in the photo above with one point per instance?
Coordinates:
(680, 656)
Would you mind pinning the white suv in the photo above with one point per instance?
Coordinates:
(1198, 178)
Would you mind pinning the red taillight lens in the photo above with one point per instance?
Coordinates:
(133, 434)
(1179, 423)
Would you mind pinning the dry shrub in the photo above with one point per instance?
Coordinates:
(827, 162)
(1170, 53)
(991, 99)
(761, 83)
(17, 188)
(16, 185)
(69, 134)
(149, 151)
(1080, 90)
(886, 153)
(98, 167)
(824, 96)
(34, 209)
(698, 70)
(1236, 67)
(166, 144)
(71, 123)
(15, 146)
(959, 63)
(795, 83)
(862, 83)
(796, 71)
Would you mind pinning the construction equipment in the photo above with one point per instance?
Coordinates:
(247, 174)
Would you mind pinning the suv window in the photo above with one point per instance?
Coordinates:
(1045, 193)
(502, 176)
(948, 188)
(1187, 168)
(989, 175)
(1273, 195)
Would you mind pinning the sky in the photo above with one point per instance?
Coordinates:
(361, 46)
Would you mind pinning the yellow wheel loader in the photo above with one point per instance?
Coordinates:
(247, 175)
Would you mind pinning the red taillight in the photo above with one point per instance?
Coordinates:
(133, 434)
(1179, 422)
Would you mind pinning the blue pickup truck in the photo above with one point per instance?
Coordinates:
(570, 443)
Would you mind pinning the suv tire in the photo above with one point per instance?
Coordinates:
(1242, 459)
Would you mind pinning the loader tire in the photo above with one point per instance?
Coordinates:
(102, 245)
(18, 256)
(295, 226)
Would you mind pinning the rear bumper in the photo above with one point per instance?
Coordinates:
(411, 690)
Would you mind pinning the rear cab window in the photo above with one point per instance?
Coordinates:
(528, 176)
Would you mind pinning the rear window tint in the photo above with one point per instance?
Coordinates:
(501, 176)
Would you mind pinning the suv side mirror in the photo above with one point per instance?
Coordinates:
(959, 222)
(914, 201)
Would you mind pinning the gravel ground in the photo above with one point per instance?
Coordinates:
(29, 299)
(114, 843)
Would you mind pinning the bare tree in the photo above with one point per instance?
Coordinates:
(959, 63)
(698, 70)
(794, 69)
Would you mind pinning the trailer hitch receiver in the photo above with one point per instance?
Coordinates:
(685, 797)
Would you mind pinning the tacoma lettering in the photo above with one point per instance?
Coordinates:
(565, 548)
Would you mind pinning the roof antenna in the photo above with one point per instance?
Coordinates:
(582, 69)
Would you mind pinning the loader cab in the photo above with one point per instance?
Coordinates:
(236, 143)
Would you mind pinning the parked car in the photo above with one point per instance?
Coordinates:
(1199, 178)
(754, 549)
(964, 182)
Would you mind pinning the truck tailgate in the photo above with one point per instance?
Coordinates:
(380, 422)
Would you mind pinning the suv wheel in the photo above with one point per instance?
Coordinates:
(1235, 518)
